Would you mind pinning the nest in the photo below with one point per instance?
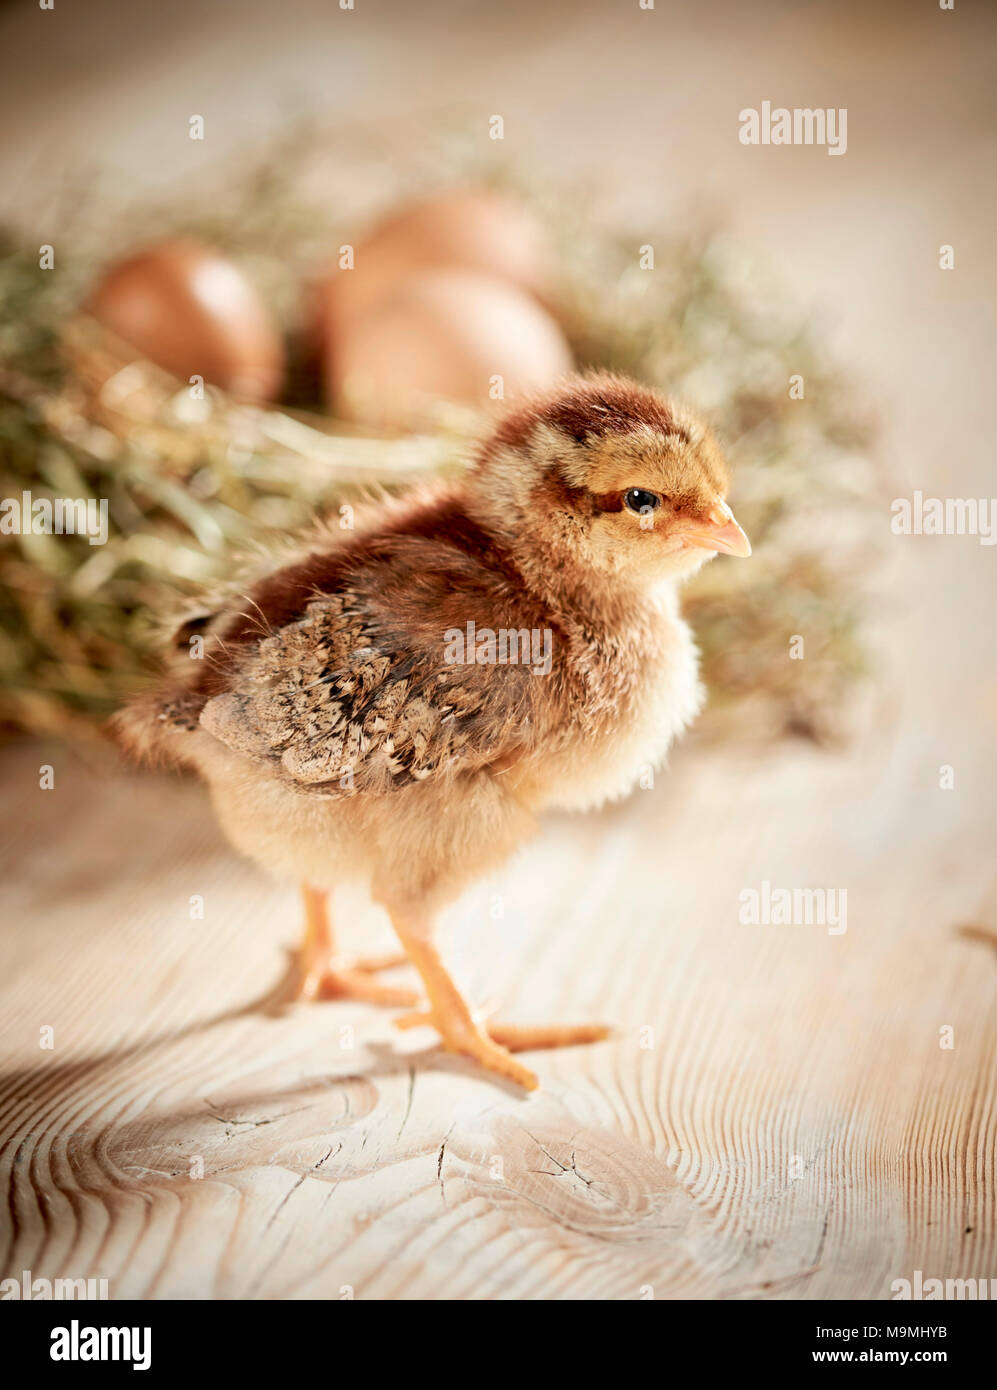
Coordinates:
(194, 485)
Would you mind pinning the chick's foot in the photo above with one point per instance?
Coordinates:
(351, 979)
(343, 977)
(324, 974)
(493, 1044)
(460, 1033)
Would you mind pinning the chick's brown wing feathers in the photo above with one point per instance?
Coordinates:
(357, 696)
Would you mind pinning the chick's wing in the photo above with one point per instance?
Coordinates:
(358, 695)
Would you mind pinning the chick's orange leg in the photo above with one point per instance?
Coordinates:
(523, 1037)
(491, 1044)
(325, 975)
(449, 1012)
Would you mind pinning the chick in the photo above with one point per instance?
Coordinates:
(400, 701)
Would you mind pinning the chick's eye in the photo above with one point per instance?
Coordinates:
(639, 500)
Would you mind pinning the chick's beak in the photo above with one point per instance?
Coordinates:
(716, 531)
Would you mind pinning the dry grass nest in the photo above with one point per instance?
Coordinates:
(192, 486)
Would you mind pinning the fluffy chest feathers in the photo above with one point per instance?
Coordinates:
(632, 694)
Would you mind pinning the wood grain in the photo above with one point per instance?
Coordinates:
(793, 1130)
(789, 1127)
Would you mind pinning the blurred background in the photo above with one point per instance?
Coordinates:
(794, 1117)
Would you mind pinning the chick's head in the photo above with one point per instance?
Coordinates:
(611, 475)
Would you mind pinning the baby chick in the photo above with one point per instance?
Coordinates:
(400, 701)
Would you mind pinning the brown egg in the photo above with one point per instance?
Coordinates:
(455, 335)
(193, 312)
(469, 229)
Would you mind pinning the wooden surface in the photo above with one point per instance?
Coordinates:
(794, 1130)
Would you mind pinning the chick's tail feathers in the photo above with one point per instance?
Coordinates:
(151, 728)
